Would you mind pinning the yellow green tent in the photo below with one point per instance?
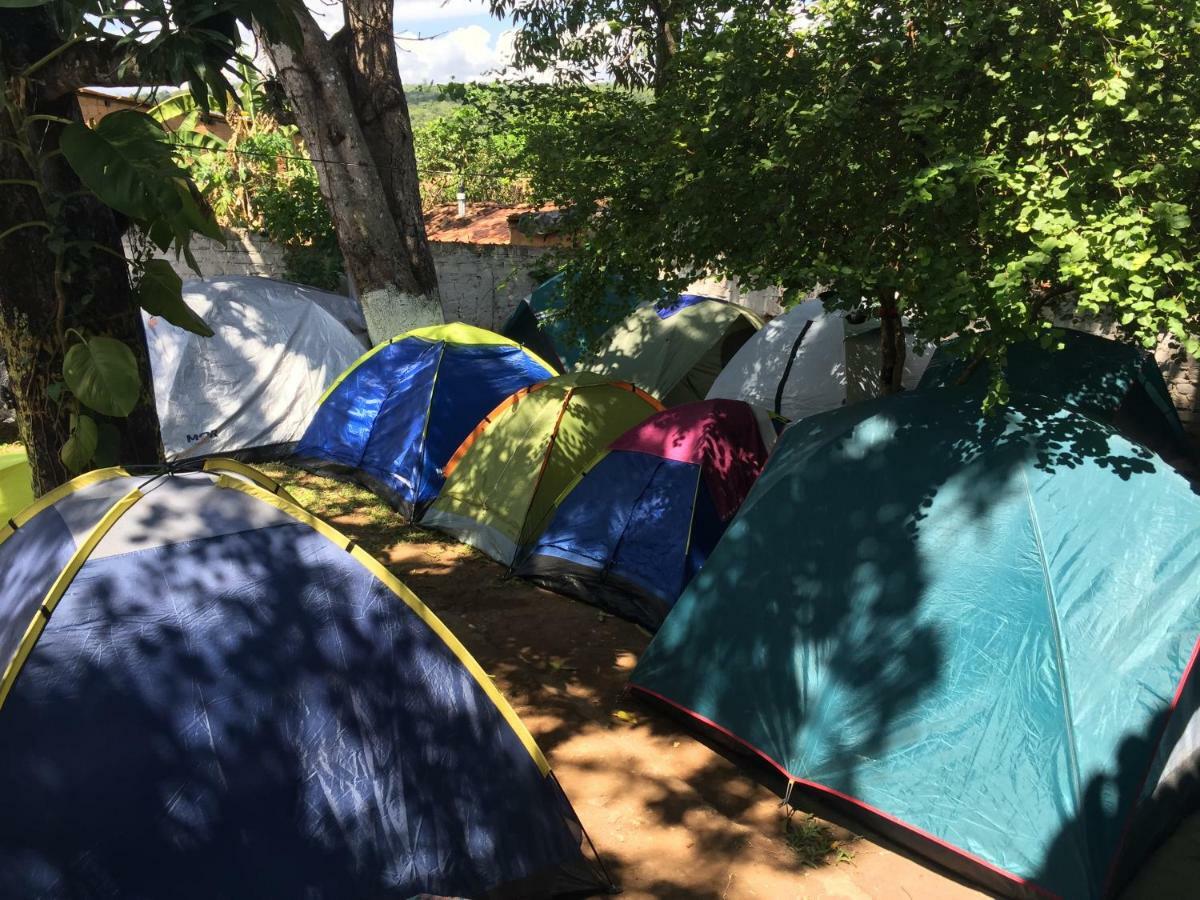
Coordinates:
(674, 352)
(16, 485)
(503, 483)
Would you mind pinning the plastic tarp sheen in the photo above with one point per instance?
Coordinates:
(982, 653)
(255, 384)
(674, 352)
(16, 485)
(796, 366)
(503, 482)
(395, 417)
(641, 521)
(271, 715)
(1108, 380)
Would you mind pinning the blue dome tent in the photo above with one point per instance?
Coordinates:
(395, 417)
(634, 529)
(208, 692)
(972, 636)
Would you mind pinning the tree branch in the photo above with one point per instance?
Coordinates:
(100, 63)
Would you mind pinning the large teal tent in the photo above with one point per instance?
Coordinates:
(972, 636)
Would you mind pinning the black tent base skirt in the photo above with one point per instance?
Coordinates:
(602, 589)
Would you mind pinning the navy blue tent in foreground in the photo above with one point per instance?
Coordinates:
(973, 636)
(208, 693)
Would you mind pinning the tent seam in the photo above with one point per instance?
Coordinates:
(1060, 656)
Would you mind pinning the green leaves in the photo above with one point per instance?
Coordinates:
(160, 293)
(128, 161)
(76, 454)
(102, 372)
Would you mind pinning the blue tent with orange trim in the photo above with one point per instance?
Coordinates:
(394, 418)
(208, 692)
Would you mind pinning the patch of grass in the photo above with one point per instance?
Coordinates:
(362, 515)
(814, 842)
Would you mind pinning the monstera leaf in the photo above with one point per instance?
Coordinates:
(103, 374)
(128, 161)
(80, 447)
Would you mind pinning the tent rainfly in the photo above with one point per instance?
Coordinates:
(984, 654)
(392, 420)
(504, 481)
(637, 526)
(208, 692)
(252, 387)
(1110, 381)
(808, 361)
(542, 323)
(674, 351)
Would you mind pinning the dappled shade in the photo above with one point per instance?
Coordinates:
(504, 482)
(543, 323)
(969, 635)
(227, 701)
(638, 525)
(394, 418)
(809, 361)
(674, 349)
(1110, 381)
(252, 387)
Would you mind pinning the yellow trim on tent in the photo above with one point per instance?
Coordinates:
(219, 464)
(62, 582)
(451, 333)
(410, 599)
(52, 497)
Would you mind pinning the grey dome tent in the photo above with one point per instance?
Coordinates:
(252, 387)
(207, 692)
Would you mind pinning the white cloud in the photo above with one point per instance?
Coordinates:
(411, 16)
(462, 54)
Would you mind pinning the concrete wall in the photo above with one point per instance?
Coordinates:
(482, 283)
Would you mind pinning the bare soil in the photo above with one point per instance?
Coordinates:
(669, 817)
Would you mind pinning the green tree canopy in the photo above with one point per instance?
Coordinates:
(979, 166)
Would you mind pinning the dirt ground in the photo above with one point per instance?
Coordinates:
(669, 817)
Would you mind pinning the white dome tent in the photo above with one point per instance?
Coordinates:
(252, 387)
(810, 360)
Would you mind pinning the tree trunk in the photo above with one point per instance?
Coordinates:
(892, 347)
(666, 41)
(95, 289)
(377, 220)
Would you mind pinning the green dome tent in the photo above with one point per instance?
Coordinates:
(1110, 381)
(16, 487)
(676, 351)
(970, 635)
(504, 482)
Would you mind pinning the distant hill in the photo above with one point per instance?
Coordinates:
(425, 103)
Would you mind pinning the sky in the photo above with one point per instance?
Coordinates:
(439, 40)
